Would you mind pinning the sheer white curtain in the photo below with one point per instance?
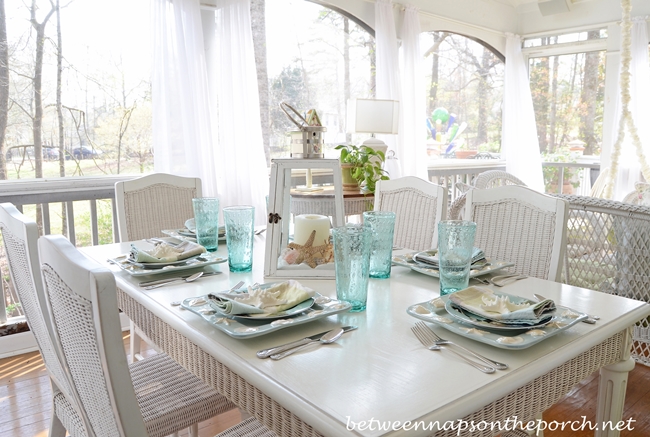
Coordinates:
(519, 143)
(242, 172)
(413, 136)
(387, 72)
(629, 169)
(182, 129)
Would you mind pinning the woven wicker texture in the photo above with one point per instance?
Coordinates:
(353, 206)
(487, 179)
(156, 207)
(68, 416)
(518, 232)
(608, 249)
(526, 402)
(170, 398)
(77, 337)
(18, 258)
(416, 215)
(247, 428)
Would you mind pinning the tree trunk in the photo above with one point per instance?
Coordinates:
(482, 96)
(552, 135)
(258, 25)
(588, 98)
(438, 38)
(4, 88)
(539, 81)
(346, 74)
(59, 110)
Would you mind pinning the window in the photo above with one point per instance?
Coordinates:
(317, 59)
(464, 82)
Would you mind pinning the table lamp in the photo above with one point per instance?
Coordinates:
(373, 116)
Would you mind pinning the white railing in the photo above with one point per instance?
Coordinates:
(44, 192)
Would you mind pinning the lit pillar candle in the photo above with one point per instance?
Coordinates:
(306, 223)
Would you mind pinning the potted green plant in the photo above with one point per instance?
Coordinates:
(361, 166)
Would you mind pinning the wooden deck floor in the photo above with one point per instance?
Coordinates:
(25, 402)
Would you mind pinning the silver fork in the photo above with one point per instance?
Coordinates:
(432, 346)
(439, 341)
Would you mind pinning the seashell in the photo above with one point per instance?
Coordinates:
(570, 314)
(556, 325)
(315, 313)
(206, 311)
(222, 321)
(320, 300)
(338, 306)
(510, 340)
(473, 331)
(198, 302)
(419, 309)
(245, 329)
(536, 332)
(281, 322)
(441, 319)
(437, 302)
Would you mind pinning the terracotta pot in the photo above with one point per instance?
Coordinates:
(349, 182)
(464, 154)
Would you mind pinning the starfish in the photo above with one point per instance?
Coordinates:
(307, 252)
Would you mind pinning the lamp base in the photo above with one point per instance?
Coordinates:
(376, 145)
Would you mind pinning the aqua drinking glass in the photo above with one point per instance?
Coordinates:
(206, 218)
(455, 247)
(240, 224)
(381, 225)
(352, 264)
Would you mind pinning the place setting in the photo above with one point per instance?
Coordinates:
(427, 263)
(480, 313)
(258, 309)
(164, 255)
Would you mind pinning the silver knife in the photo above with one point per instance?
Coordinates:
(265, 353)
(163, 281)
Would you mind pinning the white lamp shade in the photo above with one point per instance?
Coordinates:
(373, 116)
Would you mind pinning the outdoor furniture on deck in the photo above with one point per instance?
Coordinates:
(608, 249)
(418, 206)
(322, 390)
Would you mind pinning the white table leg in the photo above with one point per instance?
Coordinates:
(611, 397)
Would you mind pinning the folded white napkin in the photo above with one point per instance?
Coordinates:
(503, 308)
(190, 224)
(262, 301)
(164, 252)
(432, 260)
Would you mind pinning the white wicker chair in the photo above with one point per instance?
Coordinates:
(487, 179)
(608, 249)
(20, 235)
(147, 205)
(520, 225)
(418, 206)
(153, 397)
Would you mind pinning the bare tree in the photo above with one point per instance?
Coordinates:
(438, 38)
(258, 24)
(4, 88)
(588, 98)
(37, 82)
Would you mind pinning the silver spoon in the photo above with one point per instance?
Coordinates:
(192, 278)
(329, 337)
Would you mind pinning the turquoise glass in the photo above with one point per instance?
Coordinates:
(240, 224)
(455, 247)
(381, 225)
(206, 218)
(352, 264)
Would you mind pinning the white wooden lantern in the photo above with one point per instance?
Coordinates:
(279, 217)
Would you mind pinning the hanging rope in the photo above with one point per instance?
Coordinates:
(626, 116)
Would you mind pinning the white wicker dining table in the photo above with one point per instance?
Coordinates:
(377, 378)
